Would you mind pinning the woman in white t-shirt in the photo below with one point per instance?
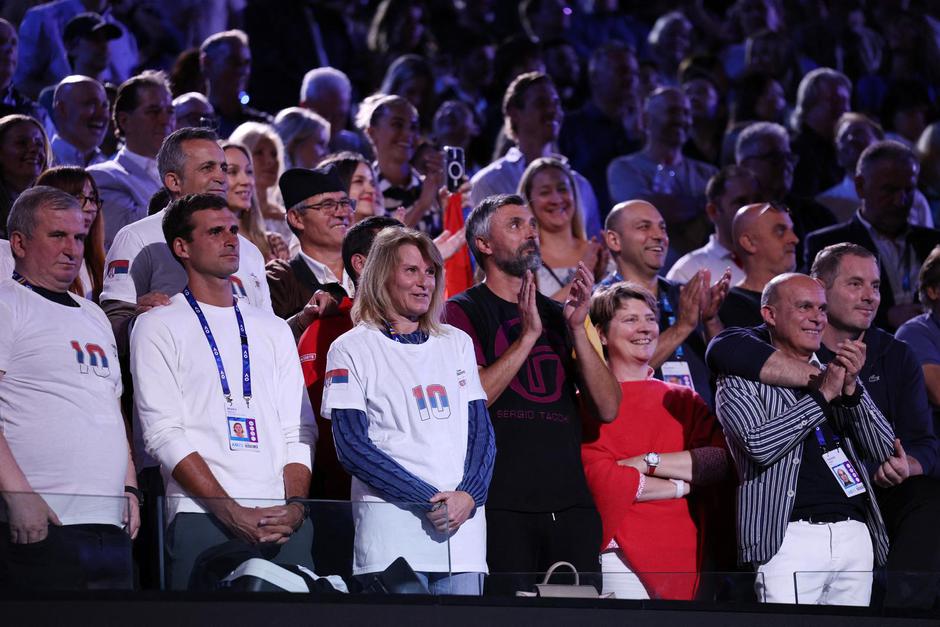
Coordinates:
(410, 421)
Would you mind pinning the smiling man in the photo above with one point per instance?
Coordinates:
(638, 243)
(532, 119)
(319, 212)
(893, 378)
(811, 538)
(143, 117)
(80, 112)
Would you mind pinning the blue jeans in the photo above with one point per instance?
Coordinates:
(470, 584)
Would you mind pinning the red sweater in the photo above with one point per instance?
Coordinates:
(655, 536)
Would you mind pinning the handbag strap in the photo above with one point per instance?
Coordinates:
(556, 565)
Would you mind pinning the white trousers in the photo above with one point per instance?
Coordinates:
(819, 564)
(619, 579)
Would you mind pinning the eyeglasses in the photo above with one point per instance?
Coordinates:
(777, 157)
(90, 200)
(331, 207)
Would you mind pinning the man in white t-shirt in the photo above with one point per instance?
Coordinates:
(203, 366)
(66, 479)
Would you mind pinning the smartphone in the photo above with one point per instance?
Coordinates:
(454, 167)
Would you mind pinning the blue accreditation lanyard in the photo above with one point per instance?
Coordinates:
(821, 438)
(246, 361)
(667, 310)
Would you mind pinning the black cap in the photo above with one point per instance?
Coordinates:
(298, 184)
(90, 25)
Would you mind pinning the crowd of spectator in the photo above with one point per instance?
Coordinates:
(690, 253)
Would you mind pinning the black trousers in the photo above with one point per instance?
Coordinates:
(72, 557)
(519, 544)
(912, 515)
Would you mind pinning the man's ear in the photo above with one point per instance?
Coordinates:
(294, 220)
(181, 248)
(17, 245)
(612, 238)
(483, 246)
(173, 182)
(933, 293)
(769, 315)
(711, 209)
(358, 261)
(747, 244)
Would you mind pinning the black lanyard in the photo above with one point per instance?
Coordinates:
(246, 361)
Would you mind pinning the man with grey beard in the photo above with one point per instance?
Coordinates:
(539, 510)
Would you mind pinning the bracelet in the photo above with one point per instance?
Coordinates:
(129, 489)
(680, 487)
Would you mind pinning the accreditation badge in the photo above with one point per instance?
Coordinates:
(677, 372)
(844, 472)
(242, 430)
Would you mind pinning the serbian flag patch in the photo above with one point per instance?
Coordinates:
(339, 376)
(119, 266)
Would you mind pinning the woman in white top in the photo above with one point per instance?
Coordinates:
(410, 421)
(551, 191)
(267, 156)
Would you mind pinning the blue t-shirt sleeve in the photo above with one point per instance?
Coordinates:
(363, 459)
(481, 452)
(917, 334)
(740, 351)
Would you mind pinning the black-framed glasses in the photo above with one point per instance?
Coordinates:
(94, 201)
(331, 206)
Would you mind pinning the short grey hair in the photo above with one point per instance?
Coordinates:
(171, 157)
(810, 91)
(22, 218)
(752, 135)
(214, 42)
(323, 78)
(885, 150)
(480, 219)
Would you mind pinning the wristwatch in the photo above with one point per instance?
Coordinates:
(652, 461)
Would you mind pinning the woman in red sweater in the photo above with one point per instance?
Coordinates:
(641, 468)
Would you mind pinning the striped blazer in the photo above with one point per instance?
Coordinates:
(765, 427)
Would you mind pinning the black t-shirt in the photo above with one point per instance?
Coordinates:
(741, 308)
(536, 419)
(817, 490)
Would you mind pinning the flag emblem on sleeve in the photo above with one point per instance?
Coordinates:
(340, 376)
(118, 266)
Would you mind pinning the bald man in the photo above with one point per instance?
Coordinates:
(765, 244)
(192, 109)
(636, 236)
(660, 173)
(795, 514)
(80, 113)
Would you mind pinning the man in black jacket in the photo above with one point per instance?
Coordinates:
(885, 178)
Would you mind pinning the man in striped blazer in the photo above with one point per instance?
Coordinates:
(806, 517)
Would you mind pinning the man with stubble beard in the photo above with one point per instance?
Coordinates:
(533, 355)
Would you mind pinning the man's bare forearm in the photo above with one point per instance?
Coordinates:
(597, 380)
(497, 377)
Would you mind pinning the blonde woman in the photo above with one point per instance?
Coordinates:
(243, 200)
(551, 191)
(422, 445)
(267, 156)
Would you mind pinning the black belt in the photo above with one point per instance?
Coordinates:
(825, 519)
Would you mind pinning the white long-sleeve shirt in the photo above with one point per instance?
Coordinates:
(181, 406)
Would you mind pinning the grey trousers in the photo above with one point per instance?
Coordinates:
(190, 534)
